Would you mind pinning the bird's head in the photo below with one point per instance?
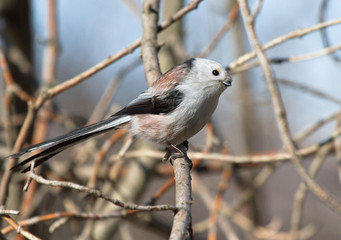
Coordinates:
(196, 73)
(207, 72)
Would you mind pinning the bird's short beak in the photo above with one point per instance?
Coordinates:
(227, 83)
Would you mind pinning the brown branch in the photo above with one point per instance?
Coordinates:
(6, 178)
(98, 194)
(216, 205)
(11, 86)
(183, 197)
(100, 155)
(44, 116)
(75, 215)
(19, 229)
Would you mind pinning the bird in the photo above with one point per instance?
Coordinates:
(174, 108)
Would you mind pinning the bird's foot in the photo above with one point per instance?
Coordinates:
(167, 155)
(179, 151)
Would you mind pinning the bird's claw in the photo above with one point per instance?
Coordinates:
(175, 152)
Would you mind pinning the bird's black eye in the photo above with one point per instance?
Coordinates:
(215, 72)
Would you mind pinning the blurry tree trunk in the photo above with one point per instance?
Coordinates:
(171, 52)
(128, 189)
(243, 94)
(17, 45)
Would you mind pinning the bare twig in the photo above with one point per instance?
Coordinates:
(19, 229)
(101, 155)
(301, 192)
(337, 144)
(291, 59)
(310, 129)
(99, 194)
(75, 215)
(256, 11)
(227, 25)
(12, 87)
(294, 34)
(44, 116)
(9, 212)
(17, 146)
(216, 205)
(133, 7)
(324, 34)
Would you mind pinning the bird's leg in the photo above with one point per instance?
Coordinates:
(179, 151)
(167, 155)
(185, 144)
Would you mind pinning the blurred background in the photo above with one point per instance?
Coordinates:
(87, 32)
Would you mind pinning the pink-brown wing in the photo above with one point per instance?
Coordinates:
(173, 76)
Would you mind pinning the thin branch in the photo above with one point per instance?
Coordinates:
(216, 205)
(227, 25)
(299, 33)
(57, 224)
(298, 58)
(301, 192)
(100, 155)
(104, 103)
(310, 129)
(6, 178)
(324, 34)
(73, 215)
(257, 10)
(133, 7)
(98, 194)
(256, 158)
(41, 124)
(337, 144)
(11, 86)
(9, 212)
(310, 90)
(19, 229)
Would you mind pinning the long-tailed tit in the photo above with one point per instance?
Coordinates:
(172, 110)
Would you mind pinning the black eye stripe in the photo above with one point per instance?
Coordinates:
(215, 72)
